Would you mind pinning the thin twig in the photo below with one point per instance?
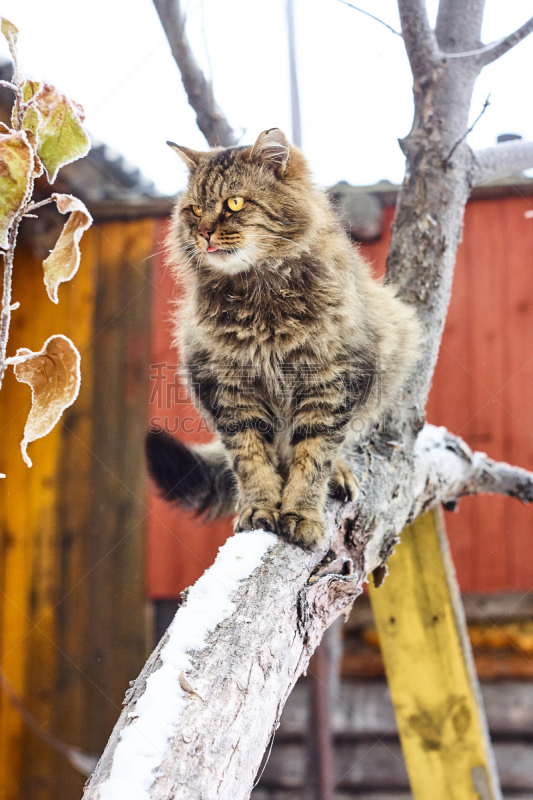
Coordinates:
(267, 759)
(32, 206)
(6, 296)
(479, 52)
(486, 104)
(76, 757)
(368, 14)
(18, 83)
(8, 85)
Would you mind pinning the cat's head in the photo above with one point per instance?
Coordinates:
(244, 207)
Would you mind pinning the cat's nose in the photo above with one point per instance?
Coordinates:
(205, 232)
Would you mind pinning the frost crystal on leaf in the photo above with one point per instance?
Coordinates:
(10, 31)
(64, 260)
(16, 168)
(54, 377)
(56, 122)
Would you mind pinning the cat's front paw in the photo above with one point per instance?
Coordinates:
(343, 483)
(253, 518)
(303, 526)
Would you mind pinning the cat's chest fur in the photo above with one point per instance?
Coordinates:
(266, 322)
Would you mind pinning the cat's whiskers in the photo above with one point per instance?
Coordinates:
(276, 236)
(272, 267)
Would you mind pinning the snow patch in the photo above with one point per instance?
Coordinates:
(143, 743)
(437, 461)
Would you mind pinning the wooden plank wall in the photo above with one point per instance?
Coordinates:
(180, 548)
(482, 390)
(72, 609)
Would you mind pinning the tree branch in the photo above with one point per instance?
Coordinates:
(501, 161)
(497, 49)
(368, 14)
(211, 121)
(420, 40)
(242, 648)
(446, 469)
(458, 25)
(240, 671)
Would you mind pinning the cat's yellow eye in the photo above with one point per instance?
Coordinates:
(235, 203)
(197, 210)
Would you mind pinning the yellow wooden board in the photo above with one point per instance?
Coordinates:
(429, 670)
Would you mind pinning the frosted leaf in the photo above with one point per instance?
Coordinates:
(10, 31)
(64, 260)
(16, 168)
(38, 168)
(54, 377)
(56, 122)
(32, 116)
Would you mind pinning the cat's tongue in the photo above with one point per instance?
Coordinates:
(211, 249)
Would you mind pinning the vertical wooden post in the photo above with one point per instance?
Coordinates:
(430, 670)
(323, 692)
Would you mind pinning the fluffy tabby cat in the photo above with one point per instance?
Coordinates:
(290, 345)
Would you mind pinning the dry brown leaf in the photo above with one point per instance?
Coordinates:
(54, 377)
(186, 686)
(64, 260)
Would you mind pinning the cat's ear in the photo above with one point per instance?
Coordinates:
(273, 149)
(192, 158)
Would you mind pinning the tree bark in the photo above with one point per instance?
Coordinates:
(508, 158)
(246, 667)
(210, 119)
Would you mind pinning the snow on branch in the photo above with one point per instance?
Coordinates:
(446, 469)
(210, 119)
(199, 717)
(501, 161)
(225, 689)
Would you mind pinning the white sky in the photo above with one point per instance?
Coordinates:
(355, 84)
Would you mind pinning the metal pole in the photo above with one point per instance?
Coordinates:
(295, 95)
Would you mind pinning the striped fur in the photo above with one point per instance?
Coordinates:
(290, 345)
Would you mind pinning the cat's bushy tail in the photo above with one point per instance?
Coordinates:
(198, 478)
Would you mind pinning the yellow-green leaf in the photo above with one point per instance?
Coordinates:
(64, 260)
(16, 168)
(57, 124)
(31, 116)
(9, 30)
(54, 377)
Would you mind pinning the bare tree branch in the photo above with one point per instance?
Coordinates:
(501, 161)
(420, 40)
(211, 121)
(458, 25)
(368, 14)
(486, 104)
(446, 469)
(246, 664)
(495, 50)
(246, 668)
